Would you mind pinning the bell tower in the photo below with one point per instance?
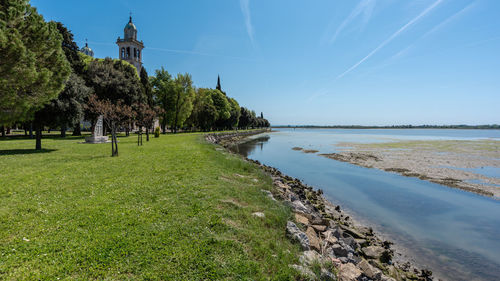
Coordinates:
(129, 48)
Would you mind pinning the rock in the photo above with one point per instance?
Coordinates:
(319, 227)
(350, 241)
(269, 194)
(294, 233)
(354, 233)
(309, 257)
(329, 237)
(327, 275)
(259, 215)
(349, 272)
(374, 252)
(314, 241)
(353, 258)
(298, 206)
(339, 251)
(336, 231)
(370, 271)
(304, 271)
(300, 218)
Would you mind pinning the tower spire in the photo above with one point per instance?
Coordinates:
(130, 18)
(218, 83)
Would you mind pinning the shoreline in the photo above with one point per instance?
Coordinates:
(329, 235)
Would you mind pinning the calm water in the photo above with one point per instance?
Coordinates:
(454, 233)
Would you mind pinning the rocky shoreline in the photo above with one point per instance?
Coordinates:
(334, 247)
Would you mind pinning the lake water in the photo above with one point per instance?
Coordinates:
(454, 233)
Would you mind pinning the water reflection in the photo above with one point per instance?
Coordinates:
(248, 147)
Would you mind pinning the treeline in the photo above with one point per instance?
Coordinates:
(493, 126)
(46, 82)
(183, 106)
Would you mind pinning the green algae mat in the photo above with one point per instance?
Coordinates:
(176, 208)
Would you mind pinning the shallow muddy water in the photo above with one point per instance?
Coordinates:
(454, 233)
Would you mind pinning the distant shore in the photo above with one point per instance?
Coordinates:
(474, 127)
(454, 163)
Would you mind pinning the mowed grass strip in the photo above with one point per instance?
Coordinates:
(175, 208)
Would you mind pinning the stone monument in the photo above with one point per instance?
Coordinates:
(97, 134)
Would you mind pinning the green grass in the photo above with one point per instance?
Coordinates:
(176, 208)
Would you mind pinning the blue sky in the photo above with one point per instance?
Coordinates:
(323, 62)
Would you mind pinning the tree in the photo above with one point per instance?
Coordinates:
(114, 114)
(145, 116)
(204, 113)
(33, 66)
(148, 94)
(113, 80)
(232, 121)
(222, 106)
(246, 118)
(67, 109)
(163, 87)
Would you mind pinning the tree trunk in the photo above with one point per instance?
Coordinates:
(8, 130)
(139, 135)
(77, 131)
(3, 131)
(116, 144)
(38, 129)
(25, 130)
(31, 130)
(112, 146)
(63, 131)
(147, 134)
(163, 129)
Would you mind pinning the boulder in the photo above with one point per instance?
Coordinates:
(314, 241)
(298, 206)
(318, 227)
(302, 219)
(295, 234)
(269, 194)
(327, 275)
(374, 252)
(309, 257)
(338, 251)
(304, 271)
(370, 271)
(259, 215)
(349, 272)
(350, 241)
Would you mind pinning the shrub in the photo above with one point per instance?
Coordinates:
(157, 132)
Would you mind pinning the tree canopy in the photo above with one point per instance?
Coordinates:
(34, 68)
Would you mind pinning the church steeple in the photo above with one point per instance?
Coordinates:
(129, 48)
(218, 84)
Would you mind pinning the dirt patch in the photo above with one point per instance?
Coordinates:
(297, 148)
(310, 151)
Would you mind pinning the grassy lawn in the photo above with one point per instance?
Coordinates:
(175, 208)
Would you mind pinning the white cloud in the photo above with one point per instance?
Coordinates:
(245, 9)
(392, 37)
(364, 8)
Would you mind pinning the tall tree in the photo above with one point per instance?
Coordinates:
(67, 109)
(204, 113)
(163, 87)
(222, 106)
(115, 81)
(33, 66)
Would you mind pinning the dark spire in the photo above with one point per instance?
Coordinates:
(130, 18)
(218, 84)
